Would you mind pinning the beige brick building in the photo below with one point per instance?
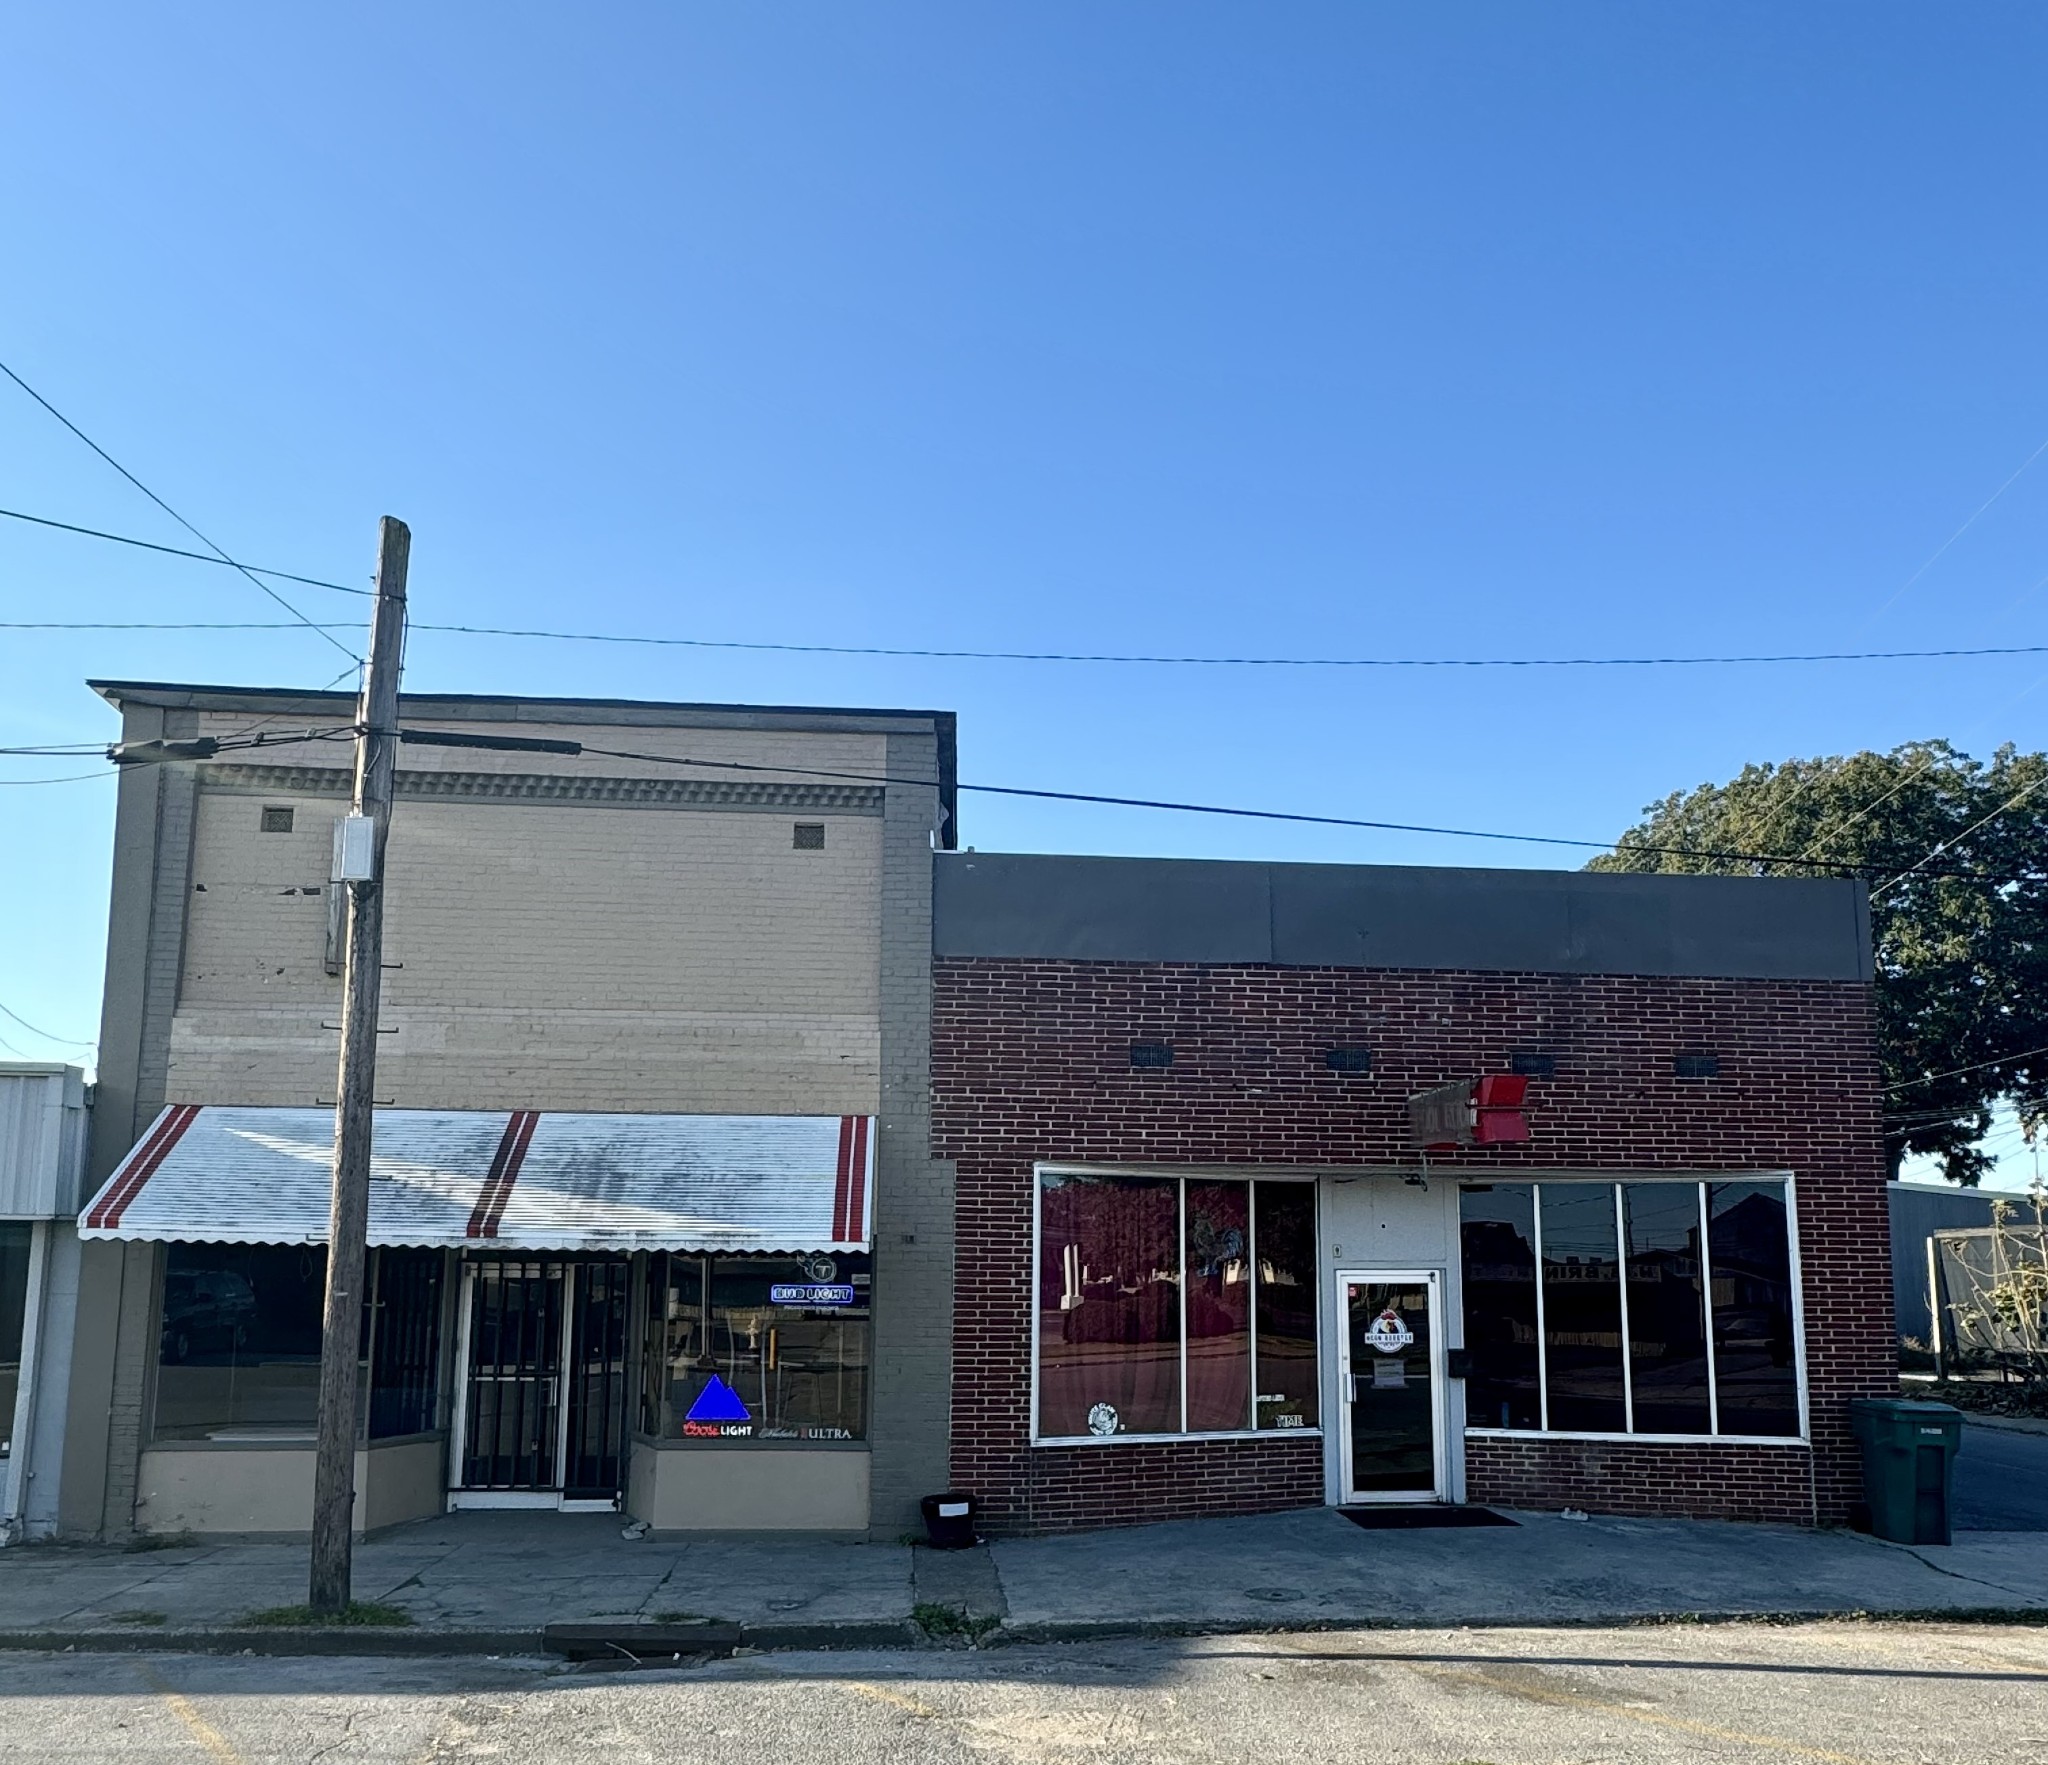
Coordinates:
(709, 914)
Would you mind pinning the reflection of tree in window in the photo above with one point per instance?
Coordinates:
(1219, 1299)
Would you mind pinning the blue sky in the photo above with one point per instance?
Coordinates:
(1326, 329)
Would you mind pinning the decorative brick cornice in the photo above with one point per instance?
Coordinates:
(556, 787)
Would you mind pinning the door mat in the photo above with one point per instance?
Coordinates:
(1411, 1519)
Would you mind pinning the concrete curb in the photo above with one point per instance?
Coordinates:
(868, 1634)
(1093, 1631)
(353, 1639)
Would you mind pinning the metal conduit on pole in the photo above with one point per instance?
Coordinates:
(359, 868)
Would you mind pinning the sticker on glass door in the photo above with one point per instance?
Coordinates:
(1392, 1388)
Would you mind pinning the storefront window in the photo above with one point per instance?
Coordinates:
(1582, 1309)
(1499, 1230)
(1219, 1290)
(1667, 1313)
(239, 1350)
(1754, 1368)
(405, 1345)
(1658, 1340)
(756, 1348)
(1284, 1233)
(14, 1257)
(1168, 1306)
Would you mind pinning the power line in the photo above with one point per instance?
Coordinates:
(998, 790)
(65, 778)
(707, 643)
(1958, 1071)
(326, 637)
(466, 739)
(895, 651)
(1942, 846)
(68, 1041)
(150, 545)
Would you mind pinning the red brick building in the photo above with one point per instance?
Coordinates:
(1201, 1269)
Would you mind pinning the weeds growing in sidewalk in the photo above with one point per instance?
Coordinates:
(160, 1541)
(943, 1623)
(305, 1618)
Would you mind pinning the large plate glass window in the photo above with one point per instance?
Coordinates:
(1504, 1388)
(238, 1342)
(238, 1346)
(14, 1261)
(740, 1348)
(1171, 1305)
(1656, 1308)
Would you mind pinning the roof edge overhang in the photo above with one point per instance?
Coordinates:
(617, 713)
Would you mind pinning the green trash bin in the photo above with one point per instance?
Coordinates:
(1909, 1452)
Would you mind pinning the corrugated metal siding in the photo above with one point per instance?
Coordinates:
(42, 1140)
(636, 1182)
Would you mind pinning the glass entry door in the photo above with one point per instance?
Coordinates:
(1391, 1385)
(541, 1421)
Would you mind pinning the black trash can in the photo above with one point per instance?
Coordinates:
(949, 1520)
(1909, 1453)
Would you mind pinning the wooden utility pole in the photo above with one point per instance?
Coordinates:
(359, 868)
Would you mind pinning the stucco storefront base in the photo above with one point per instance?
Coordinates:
(742, 1489)
(238, 1490)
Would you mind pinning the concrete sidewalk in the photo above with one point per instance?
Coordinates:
(489, 1582)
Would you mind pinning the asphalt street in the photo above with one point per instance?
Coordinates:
(2001, 1481)
(1835, 1692)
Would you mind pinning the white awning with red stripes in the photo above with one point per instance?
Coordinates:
(528, 1180)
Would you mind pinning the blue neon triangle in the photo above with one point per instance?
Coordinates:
(718, 1402)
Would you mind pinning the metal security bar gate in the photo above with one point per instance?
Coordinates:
(542, 1420)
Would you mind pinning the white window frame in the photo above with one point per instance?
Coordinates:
(1181, 1177)
(1701, 1182)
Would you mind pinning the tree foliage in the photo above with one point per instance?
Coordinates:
(1962, 961)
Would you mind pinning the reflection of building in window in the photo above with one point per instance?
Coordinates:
(787, 1337)
(1633, 1328)
(238, 1349)
(14, 1258)
(1142, 1276)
